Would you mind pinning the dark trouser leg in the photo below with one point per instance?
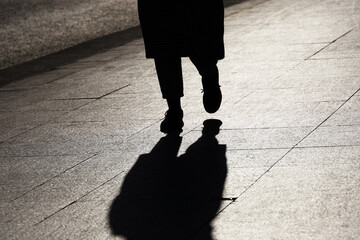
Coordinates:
(210, 80)
(206, 67)
(170, 77)
(171, 84)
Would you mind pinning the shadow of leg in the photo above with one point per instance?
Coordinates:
(169, 197)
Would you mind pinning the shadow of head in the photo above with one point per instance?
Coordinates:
(164, 196)
(211, 128)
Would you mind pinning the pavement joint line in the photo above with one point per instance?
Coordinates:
(340, 125)
(89, 121)
(332, 58)
(38, 126)
(267, 88)
(47, 122)
(38, 156)
(74, 99)
(193, 129)
(308, 43)
(79, 163)
(47, 217)
(335, 146)
(332, 101)
(330, 43)
(114, 91)
(258, 149)
(129, 93)
(275, 14)
(82, 105)
(157, 121)
(65, 112)
(289, 69)
(273, 165)
(48, 180)
(77, 200)
(245, 97)
(132, 135)
(308, 58)
(30, 129)
(255, 128)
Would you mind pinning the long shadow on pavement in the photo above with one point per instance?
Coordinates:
(168, 197)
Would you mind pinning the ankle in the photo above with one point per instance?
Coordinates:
(174, 104)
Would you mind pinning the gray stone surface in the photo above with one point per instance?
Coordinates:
(42, 79)
(23, 174)
(343, 67)
(73, 138)
(333, 136)
(349, 114)
(34, 28)
(346, 47)
(20, 122)
(281, 113)
(55, 25)
(254, 138)
(314, 193)
(286, 160)
(121, 108)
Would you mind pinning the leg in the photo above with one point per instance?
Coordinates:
(171, 84)
(206, 67)
(210, 80)
(170, 77)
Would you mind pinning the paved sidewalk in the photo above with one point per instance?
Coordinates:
(82, 156)
(34, 28)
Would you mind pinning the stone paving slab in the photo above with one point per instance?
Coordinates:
(80, 138)
(349, 114)
(254, 138)
(53, 26)
(119, 108)
(347, 135)
(73, 138)
(23, 174)
(298, 114)
(44, 78)
(20, 122)
(346, 47)
(294, 199)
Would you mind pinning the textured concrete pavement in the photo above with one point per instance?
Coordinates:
(34, 28)
(82, 156)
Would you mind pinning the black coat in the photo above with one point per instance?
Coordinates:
(182, 28)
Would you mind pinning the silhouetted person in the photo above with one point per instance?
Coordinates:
(184, 28)
(168, 197)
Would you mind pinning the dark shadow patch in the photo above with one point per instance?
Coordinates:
(168, 197)
(67, 56)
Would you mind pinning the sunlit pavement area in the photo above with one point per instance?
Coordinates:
(82, 156)
(34, 28)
